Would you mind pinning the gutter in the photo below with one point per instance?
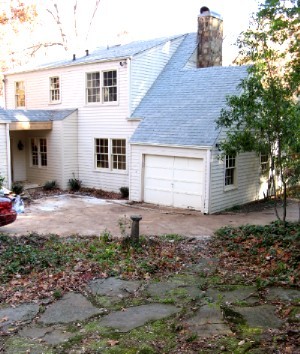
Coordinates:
(204, 147)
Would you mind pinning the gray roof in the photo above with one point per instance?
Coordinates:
(34, 115)
(115, 52)
(183, 104)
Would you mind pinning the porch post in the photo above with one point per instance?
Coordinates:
(8, 156)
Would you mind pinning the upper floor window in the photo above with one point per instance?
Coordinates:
(264, 163)
(109, 88)
(101, 87)
(38, 152)
(54, 89)
(230, 166)
(19, 94)
(110, 153)
(93, 87)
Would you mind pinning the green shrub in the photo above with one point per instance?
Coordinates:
(50, 185)
(17, 188)
(1, 181)
(74, 184)
(124, 192)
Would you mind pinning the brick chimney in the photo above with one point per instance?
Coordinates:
(210, 38)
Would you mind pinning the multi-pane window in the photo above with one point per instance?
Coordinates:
(229, 170)
(264, 163)
(43, 152)
(54, 89)
(20, 94)
(34, 153)
(101, 147)
(110, 154)
(38, 152)
(93, 87)
(118, 154)
(109, 89)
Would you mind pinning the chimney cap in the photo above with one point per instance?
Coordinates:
(205, 11)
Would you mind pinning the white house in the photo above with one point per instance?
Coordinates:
(140, 115)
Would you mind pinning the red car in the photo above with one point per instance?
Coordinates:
(7, 213)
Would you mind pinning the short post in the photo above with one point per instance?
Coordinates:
(135, 228)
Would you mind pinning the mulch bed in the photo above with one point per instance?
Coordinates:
(39, 193)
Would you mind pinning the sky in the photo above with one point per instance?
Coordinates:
(142, 19)
(123, 21)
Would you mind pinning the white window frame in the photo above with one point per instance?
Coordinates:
(54, 91)
(40, 153)
(101, 89)
(264, 164)
(107, 154)
(18, 95)
(97, 88)
(230, 174)
(106, 88)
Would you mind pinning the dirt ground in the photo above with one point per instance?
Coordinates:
(69, 214)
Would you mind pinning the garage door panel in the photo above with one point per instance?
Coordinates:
(159, 161)
(189, 188)
(191, 202)
(158, 173)
(187, 164)
(188, 176)
(162, 197)
(158, 184)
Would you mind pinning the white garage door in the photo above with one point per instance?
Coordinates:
(174, 181)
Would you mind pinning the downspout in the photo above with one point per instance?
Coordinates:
(8, 156)
(207, 184)
(129, 114)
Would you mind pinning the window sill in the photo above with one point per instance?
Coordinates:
(108, 171)
(230, 188)
(54, 103)
(101, 104)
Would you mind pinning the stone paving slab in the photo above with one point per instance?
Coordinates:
(208, 321)
(50, 335)
(288, 295)
(246, 293)
(137, 316)
(260, 316)
(114, 287)
(22, 313)
(72, 307)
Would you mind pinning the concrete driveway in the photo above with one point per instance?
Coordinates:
(67, 215)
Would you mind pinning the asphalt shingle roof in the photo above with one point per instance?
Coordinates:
(183, 104)
(34, 115)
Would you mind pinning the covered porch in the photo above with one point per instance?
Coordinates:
(39, 150)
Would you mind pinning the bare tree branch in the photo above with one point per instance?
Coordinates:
(75, 18)
(57, 20)
(97, 3)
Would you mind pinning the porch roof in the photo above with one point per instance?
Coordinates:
(34, 115)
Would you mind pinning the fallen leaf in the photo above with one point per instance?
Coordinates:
(112, 342)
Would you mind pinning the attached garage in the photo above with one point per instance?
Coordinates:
(174, 181)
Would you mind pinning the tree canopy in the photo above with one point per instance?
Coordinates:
(265, 116)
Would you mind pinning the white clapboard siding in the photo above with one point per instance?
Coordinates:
(69, 149)
(247, 187)
(3, 153)
(18, 157)
(138, 153)
(146, 67)
(53, 170)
